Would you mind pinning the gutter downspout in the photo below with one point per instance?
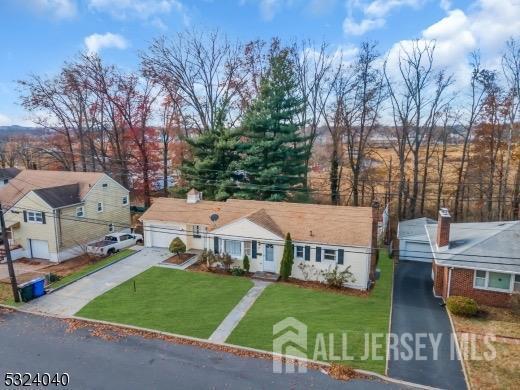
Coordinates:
(449, 282)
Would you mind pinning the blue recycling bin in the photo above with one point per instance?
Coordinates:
(38, 287)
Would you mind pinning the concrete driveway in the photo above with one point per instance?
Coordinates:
(70, 299)
(417, 312)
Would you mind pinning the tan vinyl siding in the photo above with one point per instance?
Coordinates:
(28, 230)
(78, 231)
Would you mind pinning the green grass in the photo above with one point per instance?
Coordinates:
(170, 300)
(91, 268)
(6, 295)
(323, 312)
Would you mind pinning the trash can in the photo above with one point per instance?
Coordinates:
(38, 287)
(26, 291)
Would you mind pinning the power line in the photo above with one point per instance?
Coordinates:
(161, 229)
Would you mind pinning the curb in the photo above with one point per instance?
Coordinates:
(50, 291)
(457, 345)
(322, 365)
(390, 318)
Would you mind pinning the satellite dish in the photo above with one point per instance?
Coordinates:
(213, 217)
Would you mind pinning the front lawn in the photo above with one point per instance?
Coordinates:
(86, 269)
(323, 312)
(188, 303)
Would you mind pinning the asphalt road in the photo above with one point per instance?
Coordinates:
(31, 343)
(417, 312)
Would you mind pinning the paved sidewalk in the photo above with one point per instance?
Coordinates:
(70, 299)
(223, 331)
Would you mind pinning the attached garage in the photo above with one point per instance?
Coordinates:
(39, 249)
(160, 236)
(414, 244)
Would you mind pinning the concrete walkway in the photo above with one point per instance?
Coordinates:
(223, 331)
(70, 299)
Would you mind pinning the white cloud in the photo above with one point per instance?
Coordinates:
(374, 14)
(268, 8)
(5, 120)
(95, 42)
(59, 9)
(445, 5)
(139, 9)
(486, 27)
(350, 26)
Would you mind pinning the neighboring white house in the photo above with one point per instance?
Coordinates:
(414, 244)
(323, 236)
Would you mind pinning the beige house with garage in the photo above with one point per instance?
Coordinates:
(52, 215)
(323, 236)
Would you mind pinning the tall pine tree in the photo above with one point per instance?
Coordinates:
(209, 170)
(272, 147)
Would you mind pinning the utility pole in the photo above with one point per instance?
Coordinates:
(12, 276)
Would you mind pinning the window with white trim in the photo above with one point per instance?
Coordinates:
(298, 250)
(492, 280)
(125, 200)
(480, 278)
(329, 254)
(34, 216)
(247, 248)
(80, 211)
(233, 247)
(516, 284)
(111, 228)
(100, 207)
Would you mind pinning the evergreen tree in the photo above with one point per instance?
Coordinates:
(287, 258)
(209, 170)
(272, 148)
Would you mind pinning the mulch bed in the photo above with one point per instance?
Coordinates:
(115, 333)
(181, 258)
(323, 287)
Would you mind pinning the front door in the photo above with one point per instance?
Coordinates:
(269, 265)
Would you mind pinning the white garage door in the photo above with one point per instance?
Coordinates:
(39, 249)
(161, 239)
(416, 251)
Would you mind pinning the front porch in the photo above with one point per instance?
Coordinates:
(266, 276)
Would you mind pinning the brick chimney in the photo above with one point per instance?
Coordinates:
(443, 228)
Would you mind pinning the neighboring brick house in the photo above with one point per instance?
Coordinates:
(52, 215)
(323, 236)
(476, 260)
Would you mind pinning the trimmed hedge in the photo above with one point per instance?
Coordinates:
(462, 306)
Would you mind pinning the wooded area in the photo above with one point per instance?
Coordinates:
(286, 121)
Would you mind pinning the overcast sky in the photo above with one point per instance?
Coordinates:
(36, 36)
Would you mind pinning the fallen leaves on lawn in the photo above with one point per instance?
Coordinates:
(113, 333)
(342, 372)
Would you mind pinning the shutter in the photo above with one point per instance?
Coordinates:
(215, 244)
(25, 216)
(253, 249)
(307, 253)
(318, 254)
(341, 254)
(43, 218)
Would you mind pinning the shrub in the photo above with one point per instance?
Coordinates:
(237, 271)
(54, 277)
(177, 246)
(287, 259)
(226, 261)
(462, 306)
(336, 278)
(245, 263)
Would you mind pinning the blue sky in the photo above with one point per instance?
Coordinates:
(38, 35)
